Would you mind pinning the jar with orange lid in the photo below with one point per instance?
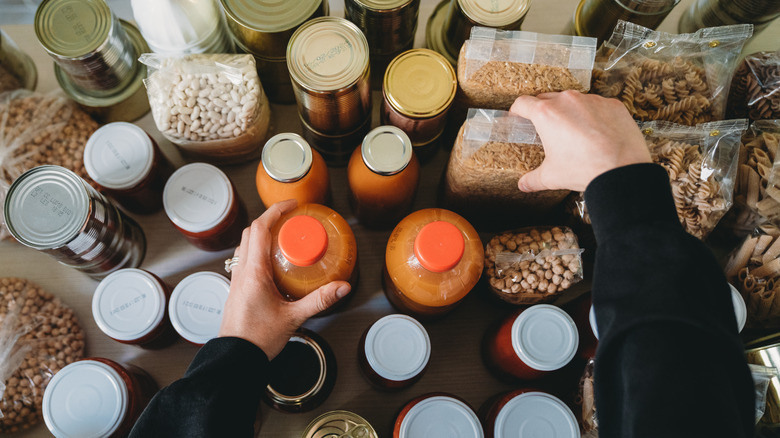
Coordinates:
(312, 246)
(291, 169)
(433, 259)
(382, 175)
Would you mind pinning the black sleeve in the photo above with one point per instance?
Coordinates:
(670, 362)
(218, 395)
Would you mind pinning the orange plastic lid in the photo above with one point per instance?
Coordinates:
(439, 246)
(303, 240)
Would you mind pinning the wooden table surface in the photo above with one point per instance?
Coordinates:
(455, 365)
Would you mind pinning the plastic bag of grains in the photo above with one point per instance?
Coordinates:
(755, 89)
(496, 66)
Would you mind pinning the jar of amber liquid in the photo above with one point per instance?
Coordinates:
(196, 306)
(130, 306)
(96, 397)
(433, 259)
(382, 175)
(394, 352)
(437, 411)
(312, 246)
(128, 166)
(291, 169)
(525, 412)
(202, 203)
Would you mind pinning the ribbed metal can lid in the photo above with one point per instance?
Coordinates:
(287, 157)
(73, 28)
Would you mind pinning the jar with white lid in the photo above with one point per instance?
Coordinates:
(197, 305)
(202, 203)
(438, 411)
(128, 166)
(130, 306)
(529, 413)
(96, 398)
(394, 352)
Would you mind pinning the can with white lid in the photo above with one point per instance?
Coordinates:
(96, 398)
(394, 352)
(202, 203)
(437, 411)
(529, 413)
(197, 305)
(130, 306)
(532, 342)
(128, 166)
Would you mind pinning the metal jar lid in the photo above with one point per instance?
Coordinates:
(536, 414)
(339, 424)
(119, 155)
(197, 305)
(446, 415)
(128, 304)
(545, 337)
(86, 26)
(46, 207)
(327, 54)
(386, 150)
(287, 157)
(198, 197)
(397, 347)
(494, 13)
(420, 83)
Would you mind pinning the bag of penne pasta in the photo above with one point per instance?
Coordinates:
(661, 76)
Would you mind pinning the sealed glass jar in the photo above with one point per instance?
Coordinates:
(338, 424)
(202, 203)
(394, 352)
(291, 169)
(17, 69)
(130, 306)
(389, 25)
(53, 210)
(532, 342)
(312, 246)
(96, 397)
(382, 175)
(433, 259)
(597, 18)
(196, 306)
(712, 13)
(128, 166)
(465, 14)
(524, 412)
(447, 412)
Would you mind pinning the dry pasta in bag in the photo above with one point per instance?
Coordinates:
(660, 76)
(586, 400)
(496, 66)
(755, 89)
(757, 190)
(701, 162)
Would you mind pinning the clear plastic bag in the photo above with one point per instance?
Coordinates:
(211, 106)
(496, 66)
(755, 89)
(661, 76)
(586, 400)
(762, 377)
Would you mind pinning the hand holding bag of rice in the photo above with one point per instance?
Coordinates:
(755, 89)
(211, 106)
(678, 78)
(496, 66)
(492, 151)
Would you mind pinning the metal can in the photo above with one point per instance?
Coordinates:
(465, 14)
(53, 210)
(448, 413)
(712, 13)
(335, 149)
(525, 412)
(597, 18)
(275, 78)
(394, 352)
(197, 305)
(339, 424)
(434, 31)
(389, 25)
(17, 64)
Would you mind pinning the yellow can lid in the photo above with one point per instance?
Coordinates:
(420, 83)
(73, 28)
(494, 13)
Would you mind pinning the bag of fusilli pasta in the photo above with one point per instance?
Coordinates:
(701, 162)
(661, 76)
(755, 89)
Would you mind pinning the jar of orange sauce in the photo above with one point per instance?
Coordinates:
(383, 174)
(312, 246)
(291, 169)
(433, 259)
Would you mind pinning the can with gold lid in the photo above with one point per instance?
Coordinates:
(339, 424)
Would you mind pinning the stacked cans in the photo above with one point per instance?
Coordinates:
(710, 13)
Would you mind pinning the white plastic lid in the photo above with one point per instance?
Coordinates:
(85, 399)
(441, 417)
(197, 197)
(592, 319)
(544, 337)
(197, 304)
(128, 304)
(119, 155)
(397, 347)
(740, 310)
(535, 414)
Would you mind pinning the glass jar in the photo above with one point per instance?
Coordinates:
(290, 169)
(312, 246)
(433, 259)
(524, 412)
(53, 210)
(128, 166)
(196, 306)
(335, 149)
(394, 352)
(339, 424)
(597, 18)
(531, 343)
(581, 311)
(130, 306)
(712, 13)
(465, 14)
(17, 69)
(96, 397)
(202, 203)
(389, 25)
(382, 175)
(447, 412)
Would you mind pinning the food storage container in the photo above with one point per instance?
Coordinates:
(291, 169)
(394, 352)
(197, 305)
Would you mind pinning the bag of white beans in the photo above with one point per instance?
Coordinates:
(211, 106)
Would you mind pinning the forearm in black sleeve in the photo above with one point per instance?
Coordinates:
(669, 362)
(218, 395)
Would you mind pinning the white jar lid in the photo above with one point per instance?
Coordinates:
(740, 310)
(536, 414)
(128, 304)
(544, 337)
(397, 347)
(197, 304)
(197, 197)
(441, 417)
(85, 399)
(592, 319)
(119, 155)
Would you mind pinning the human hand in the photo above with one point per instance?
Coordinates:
(584, 135)
(255, 310)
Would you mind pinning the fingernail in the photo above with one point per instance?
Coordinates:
(342, 291)
(521, 185)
